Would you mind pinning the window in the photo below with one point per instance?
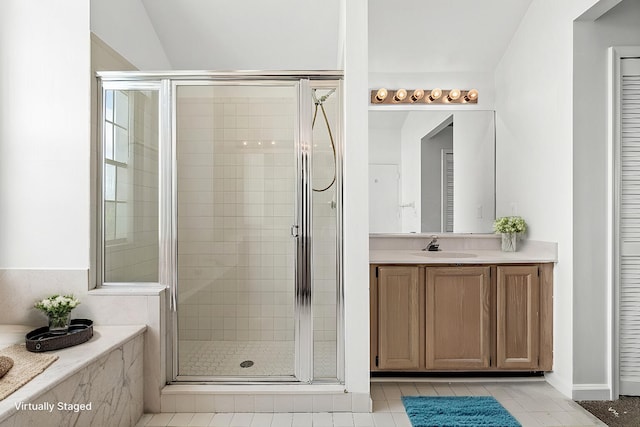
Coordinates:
(129, 185)
(116, 171)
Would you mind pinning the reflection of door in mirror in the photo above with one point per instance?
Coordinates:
(434, 201)
(384, 214)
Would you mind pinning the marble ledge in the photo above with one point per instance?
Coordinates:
(129, 289)
(70, 360)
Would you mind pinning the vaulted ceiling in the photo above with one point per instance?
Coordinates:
(441, 35)
(404, 35)
(245, 34)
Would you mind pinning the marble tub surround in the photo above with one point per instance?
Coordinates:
(105, 372)
(464, 249)
(135, 305)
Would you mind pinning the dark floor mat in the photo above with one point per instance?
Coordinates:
(624, 412)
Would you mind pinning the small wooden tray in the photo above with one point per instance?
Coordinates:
(80, 330)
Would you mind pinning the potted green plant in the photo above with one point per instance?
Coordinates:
(510, 227)
(58, 310)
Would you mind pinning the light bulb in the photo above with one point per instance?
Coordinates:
(435, 94)
(400, 95)
(472, 95)
(381, 95)
(453, 94)
(417, 95)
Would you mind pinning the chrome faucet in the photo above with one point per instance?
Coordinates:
(433, 245)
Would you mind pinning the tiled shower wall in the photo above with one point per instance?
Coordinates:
(235, 207)
(324, 223)
(236, 201)
(236, 195)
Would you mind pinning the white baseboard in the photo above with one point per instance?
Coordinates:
(591, 392)
(559, 383)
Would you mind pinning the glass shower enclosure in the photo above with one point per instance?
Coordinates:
(247, 183)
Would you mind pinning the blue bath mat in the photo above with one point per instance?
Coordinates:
(448, 411)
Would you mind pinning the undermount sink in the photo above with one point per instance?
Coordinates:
(445, 254)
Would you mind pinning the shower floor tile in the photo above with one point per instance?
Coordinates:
(224, 358)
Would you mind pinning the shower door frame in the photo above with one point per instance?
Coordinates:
(303, 332)
(166, 83)
(303, 277)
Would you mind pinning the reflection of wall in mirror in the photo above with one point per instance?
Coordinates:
(474, 172)
(384, 206)
(384, 166)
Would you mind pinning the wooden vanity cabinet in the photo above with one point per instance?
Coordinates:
(517, 322)
(524, 317)
(461, 318)
(458, 332)
(399, 332)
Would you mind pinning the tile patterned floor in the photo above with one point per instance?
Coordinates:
(270, 358)
(532, 403)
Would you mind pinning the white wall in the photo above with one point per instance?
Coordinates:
(534, 156)
(44, 134)
(356, 215)
(125, 26)
(618, 27)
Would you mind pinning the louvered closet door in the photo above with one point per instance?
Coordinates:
(447, 190)
(629, 304)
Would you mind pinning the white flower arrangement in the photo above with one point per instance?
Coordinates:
(57, 305)
(510, 225)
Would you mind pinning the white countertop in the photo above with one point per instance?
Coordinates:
(457, 249)
(465, 256)
(70, 360)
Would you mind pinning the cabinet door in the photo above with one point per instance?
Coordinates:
(518, 333)
(398, 318)
(458, 318)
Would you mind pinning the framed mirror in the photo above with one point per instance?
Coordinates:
(431, 171)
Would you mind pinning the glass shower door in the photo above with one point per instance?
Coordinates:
(236, 157)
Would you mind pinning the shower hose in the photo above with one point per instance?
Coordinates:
(319, 103)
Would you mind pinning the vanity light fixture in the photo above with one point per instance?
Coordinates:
(419, 96)
(472, 95)
(435, 94)
(381, 95)
(401, 95)
(454, 95)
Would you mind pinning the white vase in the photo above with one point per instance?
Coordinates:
(509, 242)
